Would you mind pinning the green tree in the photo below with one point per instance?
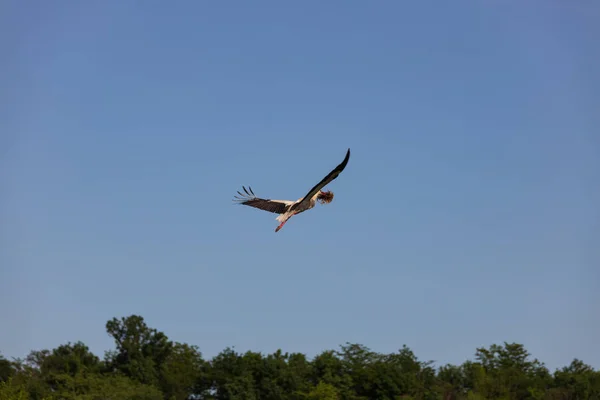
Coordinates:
(230, 377)
(181, 372)
(104, 386)
(141, 351)
(295, 377)
(577, 381)
(452, 382)
(511, 373)
(69, 359)
(146, 365)
(28, 375)
(324, 391)
(329, 369)
(7, 369)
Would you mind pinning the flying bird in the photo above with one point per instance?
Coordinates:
(287, 208)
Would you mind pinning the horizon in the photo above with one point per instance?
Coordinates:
(436, 364)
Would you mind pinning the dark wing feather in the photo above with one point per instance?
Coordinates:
(250, 199)
(331, 176)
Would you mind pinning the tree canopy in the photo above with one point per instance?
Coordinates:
(146, 365)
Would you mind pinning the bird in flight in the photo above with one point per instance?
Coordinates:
(287, 208)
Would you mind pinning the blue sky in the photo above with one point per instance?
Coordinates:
(468, 213)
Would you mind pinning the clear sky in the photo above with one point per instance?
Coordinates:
(468, 214)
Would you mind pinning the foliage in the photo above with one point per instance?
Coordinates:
(146, 365)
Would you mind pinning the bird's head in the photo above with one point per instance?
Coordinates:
(325, 197)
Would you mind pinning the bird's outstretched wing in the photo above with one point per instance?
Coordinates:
(250, 199)
(331, 176)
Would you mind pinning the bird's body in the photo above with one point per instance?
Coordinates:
(287, 208)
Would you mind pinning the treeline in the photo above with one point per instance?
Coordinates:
(146, 365)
